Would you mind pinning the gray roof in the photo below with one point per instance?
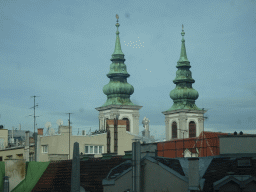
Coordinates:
(169, 164)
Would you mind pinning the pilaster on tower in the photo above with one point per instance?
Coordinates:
(118, 92)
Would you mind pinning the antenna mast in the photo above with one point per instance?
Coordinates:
(69, 131)
(35, 105)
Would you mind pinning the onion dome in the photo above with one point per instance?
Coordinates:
(183, 95)
(118, 91)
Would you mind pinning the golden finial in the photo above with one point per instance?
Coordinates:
(117, 17)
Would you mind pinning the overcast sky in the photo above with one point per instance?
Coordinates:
(61, 51)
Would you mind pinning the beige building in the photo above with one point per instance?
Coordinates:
(60, 146)
(16, 150)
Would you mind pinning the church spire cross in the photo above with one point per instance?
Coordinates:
(117, 17)
(183, 54)
(118, 51)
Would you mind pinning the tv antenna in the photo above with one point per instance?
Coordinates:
(34, 107)
(47, 126)
(59, 122)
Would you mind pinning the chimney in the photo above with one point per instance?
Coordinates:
(136, 165)
(40, 131)
(193, 173)
(75, 175)
(83, 132)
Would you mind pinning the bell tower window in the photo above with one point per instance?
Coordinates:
(127, 124)
(192, 129)
(174, 130)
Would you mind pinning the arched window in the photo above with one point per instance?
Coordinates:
(174, 130)
(192, 129)
(127, 124)
(105, 124)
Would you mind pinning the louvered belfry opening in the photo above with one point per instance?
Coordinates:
(192, 129)
(174, 130)
(108, 138)
(127, 124)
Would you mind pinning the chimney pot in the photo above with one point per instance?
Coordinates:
(40, 131)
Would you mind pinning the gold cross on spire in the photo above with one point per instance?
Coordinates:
(117, 17)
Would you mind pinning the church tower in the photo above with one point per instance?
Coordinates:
(118, 93)
(184, 117)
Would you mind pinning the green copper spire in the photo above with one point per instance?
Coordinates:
(183, 95)
(118, 50)
(118, 90)
(183, 54)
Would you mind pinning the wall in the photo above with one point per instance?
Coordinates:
(121, 184)
(15, 170)
(58, 145)
(237, 144)
(157, 178)
(14, 152)
(124, 137)
(182, 118)
(4, 137)
(151, 147)
(131, 114)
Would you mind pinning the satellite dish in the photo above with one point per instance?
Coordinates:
(52, 131)
(59, 122)
(48, 125)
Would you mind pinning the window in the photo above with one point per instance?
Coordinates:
(45, 148)
(192, 129)
(96, 149)
(174, 130)
(86, 149)
(89, 149)
(9, 156)
(127, 124)
(31, 157)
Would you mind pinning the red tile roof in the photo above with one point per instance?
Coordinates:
(207, 145)
(57, 176)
